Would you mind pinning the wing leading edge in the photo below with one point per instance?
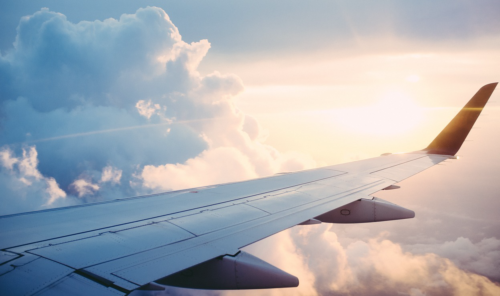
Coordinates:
(192, 238)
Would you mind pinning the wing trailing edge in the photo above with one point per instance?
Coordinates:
(451, 138)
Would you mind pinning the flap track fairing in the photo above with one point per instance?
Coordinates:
(367, 210)
(243, 271)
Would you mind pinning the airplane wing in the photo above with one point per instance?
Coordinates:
(192, 238)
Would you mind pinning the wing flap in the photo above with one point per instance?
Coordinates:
(31, 277)
(77, 285)
(281, 202)
(212, 220)
(112, 245)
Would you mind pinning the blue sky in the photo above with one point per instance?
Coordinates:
(195, 93)
(270, 27)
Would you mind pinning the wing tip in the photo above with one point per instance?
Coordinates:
(451, 138)
(492, 85)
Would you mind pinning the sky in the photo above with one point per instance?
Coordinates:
(104, 100)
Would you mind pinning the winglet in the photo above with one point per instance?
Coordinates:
(451, 138)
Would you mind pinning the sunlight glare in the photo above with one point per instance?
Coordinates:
(413, 78)
(395, 113)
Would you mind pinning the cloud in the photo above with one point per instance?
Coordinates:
(146, 109)
(111, 174)
(376, 266)
(23, 187)
(482, 257)
(118, 108)
(54, 191)
(84, 187)
(200, 171)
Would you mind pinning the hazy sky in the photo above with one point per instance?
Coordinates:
(197, 92)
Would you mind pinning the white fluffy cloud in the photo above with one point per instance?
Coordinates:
(200, 171)
(147, 109)
(111, 174)
(222, 165)
(117, 108)
(84, 187)
(23, 186)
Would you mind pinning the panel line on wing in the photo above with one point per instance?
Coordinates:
(385, 168)
(113, 245)
(218, 235)
(408, 169)
(250, 205)
(136, 210)
(165, 262)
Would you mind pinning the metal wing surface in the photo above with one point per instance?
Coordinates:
(192, 238)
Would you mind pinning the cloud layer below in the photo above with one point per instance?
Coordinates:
(374, 266)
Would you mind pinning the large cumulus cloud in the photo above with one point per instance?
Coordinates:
(115, 108)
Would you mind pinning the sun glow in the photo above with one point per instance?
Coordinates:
(395, 113)
(413, 78)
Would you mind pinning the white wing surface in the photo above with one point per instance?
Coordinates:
(192, 238)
